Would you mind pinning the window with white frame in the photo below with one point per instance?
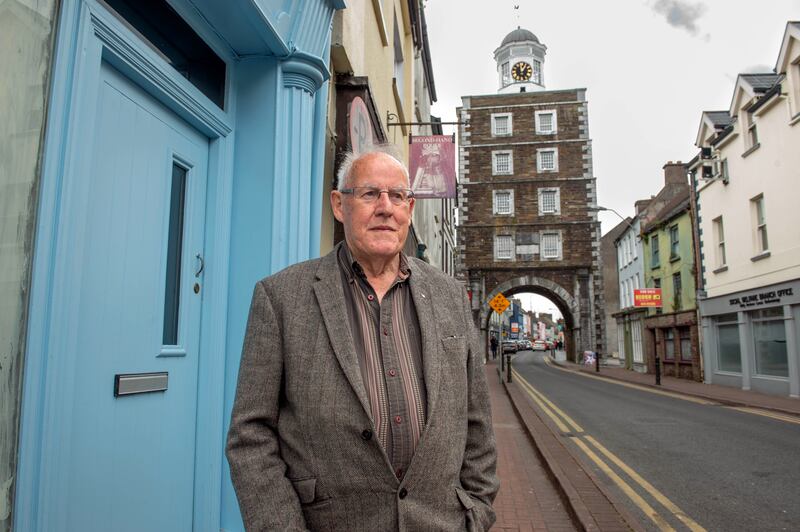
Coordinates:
(503, 202)
(502, 162)
(549, 201)
(620, 255)
(501, 124)
(505, 74)
(760, 219)
(546, 122)
(550, 245)
(622, 301)
(537, 72)
(719, 237)
(751, 135)
(503, 247)
(547, 160)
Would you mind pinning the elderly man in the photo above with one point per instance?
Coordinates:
(362, 402)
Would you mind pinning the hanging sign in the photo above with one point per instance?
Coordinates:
(432, 166)
(647, 297)
(499, 303)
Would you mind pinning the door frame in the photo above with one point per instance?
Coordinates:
(87, 35)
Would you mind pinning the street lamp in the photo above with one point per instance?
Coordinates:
(598, 208)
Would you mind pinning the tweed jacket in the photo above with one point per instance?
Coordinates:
(301, 443)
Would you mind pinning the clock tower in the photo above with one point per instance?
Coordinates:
(520, 61)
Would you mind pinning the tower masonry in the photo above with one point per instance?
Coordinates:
(527, 202)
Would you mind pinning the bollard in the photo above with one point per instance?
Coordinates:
(658, 371)
(597, 362)
(508, 368)
(502, 361)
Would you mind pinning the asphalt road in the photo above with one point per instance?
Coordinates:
(727, 470)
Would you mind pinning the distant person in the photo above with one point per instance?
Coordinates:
(493, 345)
(362, 402)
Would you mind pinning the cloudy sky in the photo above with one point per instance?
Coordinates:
(650, 68)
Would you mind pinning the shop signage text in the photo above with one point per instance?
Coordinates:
(762, 298)
(647, 297)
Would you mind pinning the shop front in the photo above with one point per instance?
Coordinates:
(750, 339)
(673, 338)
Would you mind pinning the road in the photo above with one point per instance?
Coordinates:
(680, 464)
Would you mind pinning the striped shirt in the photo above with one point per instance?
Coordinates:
(388, 343)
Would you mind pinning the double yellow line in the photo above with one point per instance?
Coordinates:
(589, 445)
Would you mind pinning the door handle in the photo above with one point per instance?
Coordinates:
(202, 265)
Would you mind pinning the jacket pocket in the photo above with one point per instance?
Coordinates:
(472, 524)
(306, 489)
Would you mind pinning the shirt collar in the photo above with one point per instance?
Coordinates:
(352, 268)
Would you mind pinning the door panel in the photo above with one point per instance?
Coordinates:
(131, 458)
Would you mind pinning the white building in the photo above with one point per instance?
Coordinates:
(630, 266)
(746, 179)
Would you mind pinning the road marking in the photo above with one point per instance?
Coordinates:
(657, 495)
(767, 413)
(674, 395)
(569, 425)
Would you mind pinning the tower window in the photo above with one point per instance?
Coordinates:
(503, 201)
(549, 201)
(546, 122)
(505, 74)
(502, 163)
(501, 124)
(504, 247)
(537, 72)
(547, 160)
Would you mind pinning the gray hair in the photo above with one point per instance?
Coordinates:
(349, 158)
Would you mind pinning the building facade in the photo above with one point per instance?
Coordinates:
(611, 289)
(746, 179)
(382, 92)
(182, 149)
(630, 273)
(526, 192)
(671, 331)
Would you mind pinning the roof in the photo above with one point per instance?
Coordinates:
(670, 201)
(761, 82)
(519, 35)
(720, 119)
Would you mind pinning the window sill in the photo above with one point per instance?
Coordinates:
(502, 134)
(723, 268)
(545, 132)
(655, 266)
(751, 149)
(507, 214)
(675, 258)
(795, 119)
(760, 256)
(502, 174)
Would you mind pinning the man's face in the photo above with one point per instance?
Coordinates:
(378, 229)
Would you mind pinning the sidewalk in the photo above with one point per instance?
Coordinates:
(542, 487)
(713, 392)
(528, 499)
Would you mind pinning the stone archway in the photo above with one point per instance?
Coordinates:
(563, 300)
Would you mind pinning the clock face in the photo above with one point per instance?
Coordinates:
(521, 71)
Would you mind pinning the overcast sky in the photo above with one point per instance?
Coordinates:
(650, 68)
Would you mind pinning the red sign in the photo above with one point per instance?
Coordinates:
(432, 166)
(646, 297)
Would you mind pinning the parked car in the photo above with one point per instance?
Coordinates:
(539, 345)
(509, 346)
(526, 344)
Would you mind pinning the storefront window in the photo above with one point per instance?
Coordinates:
(686, 343)
(729, 357)
(669, 344)
(769, 334)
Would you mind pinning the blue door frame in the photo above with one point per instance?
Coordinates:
(269, 141)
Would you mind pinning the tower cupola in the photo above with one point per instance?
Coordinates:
(520, 62)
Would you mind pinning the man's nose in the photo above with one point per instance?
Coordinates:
(383, 203)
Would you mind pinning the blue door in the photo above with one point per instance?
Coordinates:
(127, 301)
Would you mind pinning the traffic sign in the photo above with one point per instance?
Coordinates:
(499, 303)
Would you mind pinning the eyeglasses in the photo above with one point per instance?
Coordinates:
(397, 196)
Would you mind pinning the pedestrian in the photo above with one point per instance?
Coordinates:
(362, 401)
(493, 345)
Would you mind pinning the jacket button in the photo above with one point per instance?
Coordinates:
(366, 434)
(402, 493)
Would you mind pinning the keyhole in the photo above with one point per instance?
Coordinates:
(196, 288)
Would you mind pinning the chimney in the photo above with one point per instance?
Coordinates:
(675, 173)
(641, 205)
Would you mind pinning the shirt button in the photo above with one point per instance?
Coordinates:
(392, 373)
(366, 434)
(370, 297)
(402, 493)
(399, 473)
(398, 419)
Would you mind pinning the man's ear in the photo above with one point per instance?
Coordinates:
(336, 205)
(411, 210)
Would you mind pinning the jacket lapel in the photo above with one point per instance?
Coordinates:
(330, 297)
(426, 316)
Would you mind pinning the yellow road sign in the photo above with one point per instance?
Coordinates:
(499, 303)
